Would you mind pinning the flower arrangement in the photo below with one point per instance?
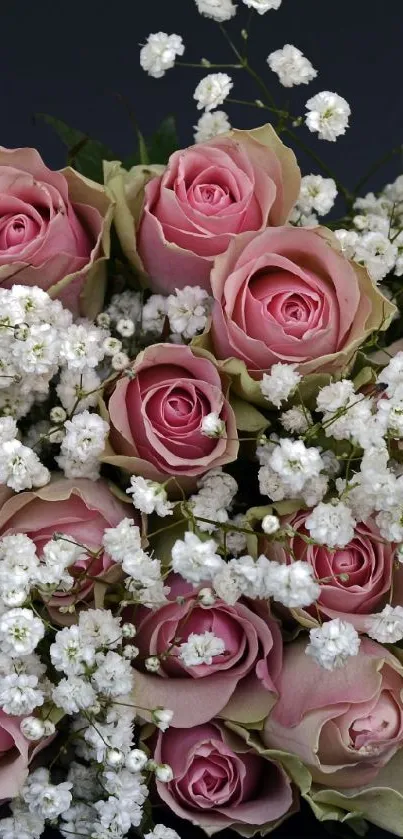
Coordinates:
(201, 514)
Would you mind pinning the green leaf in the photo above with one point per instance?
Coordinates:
(83, 154)
(164, 142)
(248, 418)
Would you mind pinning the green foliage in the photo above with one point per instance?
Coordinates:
(87, 155)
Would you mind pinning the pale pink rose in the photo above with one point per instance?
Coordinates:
(208, 194)
(54, 230)
(288, 295)
(367, 560)
(344, 724)
(156, 416)
(220, 782)
(15, 755)
(82, 510)
(239, 685)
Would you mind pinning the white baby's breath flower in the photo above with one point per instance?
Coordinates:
(317, 193)
(195, 560)
(212, 425)
(333, 643)
(149, 496)
(201, 649)
(291, 66)
(188, 310)
(331, 524)
(387, 626)
(219, 10)
(327, 115)
(213, 90)
(279, 384)
(210, 125)
(262, 6)
(159, 53)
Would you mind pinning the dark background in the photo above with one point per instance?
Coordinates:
(70, 60)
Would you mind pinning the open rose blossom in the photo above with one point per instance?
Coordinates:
(367, 561)
(54, 230)
(220, 782)
(288, 295)
(344, 724)
(239, 684)
(209, 193)
(156, 416)
(80, 509)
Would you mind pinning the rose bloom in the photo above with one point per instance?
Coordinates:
(15, 755)
(220, 782)
(54, 230)
(367, 561)
(80, 509)
(344, 724)
(239, 685)
(288, 295)
(208, 194)
(156, 416)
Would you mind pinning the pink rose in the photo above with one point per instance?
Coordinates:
(220, 782)
(344, 724)
(156, 416)
(208, 194)
(239, 685)
(54, 230)
(367, 561)
(15, 755)
(80, 509)
(288, 295)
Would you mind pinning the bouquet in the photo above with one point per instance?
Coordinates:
(201, 469)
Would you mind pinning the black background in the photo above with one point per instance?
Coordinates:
(71, 59)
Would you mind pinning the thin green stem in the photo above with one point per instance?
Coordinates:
(210, 66)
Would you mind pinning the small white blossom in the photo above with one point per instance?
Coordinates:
(291, 66)
(210, 125)
(136, 760)
(331, 524)
(201, 649)
(335, 396)
(333, 643)
(348, 240)
(317, 193)
(122, 540)
(164, 773)
(270, 525)
(125, 327)
(113, 676)
(120, 361)
(292, 585)
(69, 654)
(387, 626)
(262, 6)
(212, 425)
(20, 467)
(19, 694)
(8, 429)
(154, 314)
(73, 695)
(162, 832)
(296, 420)
(280, 383)
(159, 53)
(377, 253)
(219, 10)
(44, 798)
(162, 718)
(82, 346)
(20, 632)
(32, 728)
(149, 496)
(195, 560)
(22, 824)
(213, 90)
(327, 115)
(188, 310)
(84, 441)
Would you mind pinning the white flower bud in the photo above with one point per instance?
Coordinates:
(50, 728)
(136, 760)
(14, 597)
(58, 414)
(162, 718)
(103, 320)
(213, 426)
(32, 728)
(114, 758)
(270, 525)
(164, 773)
(130, 651)
(207, 597)
(112, 346)
(128, 630)
(152, 664)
